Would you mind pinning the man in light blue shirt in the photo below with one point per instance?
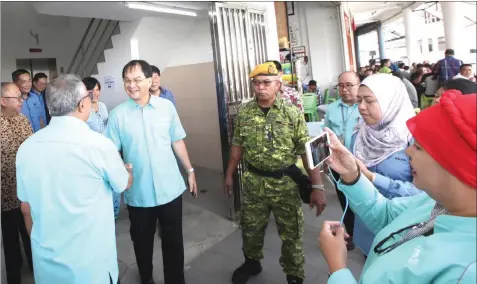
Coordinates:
(157, 90)
(144, 128)
(66, 174)
(342, 116)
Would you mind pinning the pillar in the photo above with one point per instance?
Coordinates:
(410, 24)
(382, 53)
(454, 27)
(356, 51)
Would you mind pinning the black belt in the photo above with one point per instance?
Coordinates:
(274, 174)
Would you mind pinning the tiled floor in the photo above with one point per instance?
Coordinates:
(213, 243)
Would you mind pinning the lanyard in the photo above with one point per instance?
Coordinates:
(345, 122)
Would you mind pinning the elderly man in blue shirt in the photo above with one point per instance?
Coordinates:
(157, 90)
(66, 174)
(143, 128)
(342, 116)
(34, 106)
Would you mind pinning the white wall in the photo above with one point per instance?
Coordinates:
(59, 36)
(116, 58)
(317, 26)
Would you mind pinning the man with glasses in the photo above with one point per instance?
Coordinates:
(143, 129)
(15, 129)
(342, 116)
(269, 134)
(66, 175)
(34, 107)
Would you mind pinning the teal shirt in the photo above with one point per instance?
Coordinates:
(66, 171)
(341, 117)
(446, 256)
(144, 136)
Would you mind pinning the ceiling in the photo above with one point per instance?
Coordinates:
(114, 10)
(368, 12)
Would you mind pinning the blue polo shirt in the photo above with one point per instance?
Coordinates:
(342, 119)
(34, 109)
(66, 172)
(144, 136)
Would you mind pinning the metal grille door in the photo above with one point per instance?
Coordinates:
(239, 44)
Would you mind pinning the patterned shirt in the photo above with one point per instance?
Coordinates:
(15, 130)
(98, 120)
(292, 96)
(271, 142)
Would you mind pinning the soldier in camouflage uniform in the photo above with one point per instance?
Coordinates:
(269, 134)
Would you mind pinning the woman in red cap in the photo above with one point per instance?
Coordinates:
(428, 238)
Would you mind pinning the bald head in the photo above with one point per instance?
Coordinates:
(348, 83)
(9, 89)
(11, 99)
(350, 75)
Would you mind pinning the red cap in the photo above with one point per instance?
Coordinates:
(447, 131)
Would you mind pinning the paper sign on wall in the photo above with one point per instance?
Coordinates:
(109, 82)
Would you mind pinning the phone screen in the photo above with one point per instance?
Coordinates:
(320, 149)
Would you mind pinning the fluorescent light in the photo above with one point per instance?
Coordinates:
(155, 8)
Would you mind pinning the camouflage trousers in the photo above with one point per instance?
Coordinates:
(261, 196)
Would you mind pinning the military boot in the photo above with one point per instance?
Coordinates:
(294, 280)
(251, 267)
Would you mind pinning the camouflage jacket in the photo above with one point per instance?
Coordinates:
(271, 142)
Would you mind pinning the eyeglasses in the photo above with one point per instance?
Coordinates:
(378, 248)
(347, 86)
(19, 98)
(136, 81)
(266, 83)
(90, 95)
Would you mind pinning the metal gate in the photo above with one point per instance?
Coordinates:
(238, 43)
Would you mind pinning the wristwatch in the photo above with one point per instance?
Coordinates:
(318, 186)
(191, 170)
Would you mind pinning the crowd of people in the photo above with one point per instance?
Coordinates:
(409, 178)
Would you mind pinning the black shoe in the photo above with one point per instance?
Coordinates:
(251, 267)
(294, 280)
(350, 244)
(150, 281)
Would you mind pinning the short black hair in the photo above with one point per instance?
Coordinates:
(449, 52)
(145, 67)
(312, 83)
(466, 87)
(17, 73)
(278, 65)
(354, 73)
(384, 61)
(39, 76)
(90, 83)
(155, 70)
(465, 65)
(401, 65)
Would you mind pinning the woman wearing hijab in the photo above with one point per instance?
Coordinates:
(429, 238)
(380, 143)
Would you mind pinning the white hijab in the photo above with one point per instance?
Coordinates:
(375, 143)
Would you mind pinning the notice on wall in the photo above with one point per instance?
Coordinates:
(109, 82)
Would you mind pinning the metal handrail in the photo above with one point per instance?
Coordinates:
(103, 47)
(89, 45)
(80, 45)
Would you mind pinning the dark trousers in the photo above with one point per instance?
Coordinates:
(349, 216)
(13, 225)
(143, 229)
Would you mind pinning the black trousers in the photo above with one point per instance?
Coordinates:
(143, 229)
(13, 225)
(349, 216)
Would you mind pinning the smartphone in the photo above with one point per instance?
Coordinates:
(318, 150)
